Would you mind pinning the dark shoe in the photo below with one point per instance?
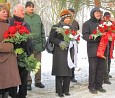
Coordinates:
(107, 82)
(110, 76)
(29, 87)
(101, 90)
(19, 96)
(93, 91)
(40, 85)
(67, 93)
(73, 80)
(60, 95)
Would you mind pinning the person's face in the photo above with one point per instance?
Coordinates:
(106, 18)
(19, 12)
(30, 9)
(3, 14)
(67, 20)
(97, 15)
(73, 14)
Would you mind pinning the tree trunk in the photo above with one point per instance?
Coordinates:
(97, 3)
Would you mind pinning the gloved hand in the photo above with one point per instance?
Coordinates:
(63, 45)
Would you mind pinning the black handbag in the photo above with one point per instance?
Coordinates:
(49, 46)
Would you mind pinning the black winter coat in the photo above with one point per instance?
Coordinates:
(60, 65)
(87, 29)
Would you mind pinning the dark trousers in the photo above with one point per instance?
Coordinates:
(96, 72)
(108, 63)
(22, 92)
(106, 74)
(4, 93)
(109, 59)
(62, 84)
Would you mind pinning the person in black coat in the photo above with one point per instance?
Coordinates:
(96, 64)
(74, 26)
(18, 16)
(60, 68)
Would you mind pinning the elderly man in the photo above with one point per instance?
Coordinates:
(18, 16)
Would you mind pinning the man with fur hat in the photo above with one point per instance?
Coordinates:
(38, 40)
(60, 68)
(96, 64)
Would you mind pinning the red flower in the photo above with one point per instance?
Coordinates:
(67, 31)
(105, 27)
(74, 32)
(112, 27)
(90, 37)
(23, 30)
(6, 34)
(12, 29)
(94, 32)
(78, 38)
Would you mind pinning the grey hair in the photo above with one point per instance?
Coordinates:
(17, 7)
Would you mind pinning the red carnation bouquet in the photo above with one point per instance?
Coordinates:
(107, 32)
(102, 29)
(69, 34)
(17, 34)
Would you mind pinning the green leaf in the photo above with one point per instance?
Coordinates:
(19, 51)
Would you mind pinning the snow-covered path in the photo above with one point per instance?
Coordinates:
(78, 90)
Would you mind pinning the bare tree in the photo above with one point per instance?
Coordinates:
(97, 3)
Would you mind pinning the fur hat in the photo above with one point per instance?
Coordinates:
(65, 13)
(29, 3)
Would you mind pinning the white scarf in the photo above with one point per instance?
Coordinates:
(70, 63)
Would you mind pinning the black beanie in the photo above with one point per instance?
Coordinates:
(72, 10)
(107, 14)
(29, 3)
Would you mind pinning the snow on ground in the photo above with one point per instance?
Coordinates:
(77, 90)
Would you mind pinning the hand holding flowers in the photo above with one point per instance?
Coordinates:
(107, 32)
(69, 35)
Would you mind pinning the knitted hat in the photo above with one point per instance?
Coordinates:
(95, 9)
(29, 3)
(107, 14)
(65, 13)
(72, 10)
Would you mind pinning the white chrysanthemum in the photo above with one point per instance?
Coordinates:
(104, 23)
(71, 36)
(109, 23)
(66, 27)
(101, 25)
